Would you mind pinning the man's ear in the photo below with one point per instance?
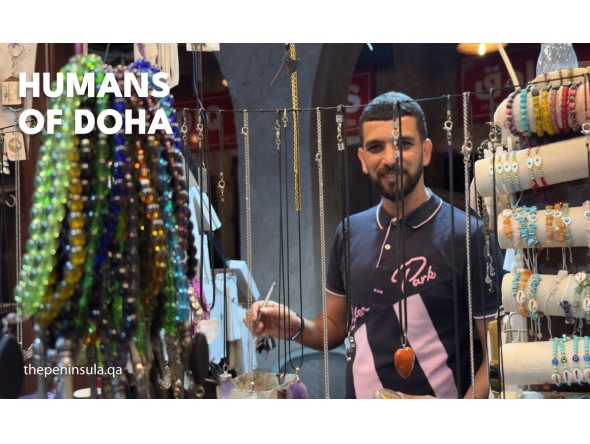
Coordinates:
(427, 152)
(361, 154)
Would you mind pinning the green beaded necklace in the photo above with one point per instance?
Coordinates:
(52, 184)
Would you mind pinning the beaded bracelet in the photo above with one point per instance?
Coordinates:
(580, 278)
(509, 118)
(514, 165)
(521, 217)
(586, 208)
(521, 296)
(567, 376)
(507, 223)
(500, 170)
(516, 237)
(586, 303)
(565, 305)
(515, 285)
(560, 226)
(532, 227)
(549, 224)
(555, 376)
(545, 114)
(507, 170)
(553, 288)
(525, 122)
(538, 161)
(572, 107)
(530, 163)
(586, 360)
(537, 111)
(491, 171)
(577, 373)
(533, 305)
(567, 230)
(553, 110)
(565, 91)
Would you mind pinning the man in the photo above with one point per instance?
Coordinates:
(431, 330)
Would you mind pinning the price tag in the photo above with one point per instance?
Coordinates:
(12, 142)
(10, 95)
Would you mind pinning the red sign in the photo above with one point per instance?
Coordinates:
(480, 74)
(212, 103)
(360, 92)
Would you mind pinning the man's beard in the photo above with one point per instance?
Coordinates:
(390, 191)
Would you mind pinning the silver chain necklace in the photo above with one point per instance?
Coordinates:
(246, 134)
(466, 150)
(318, 159)
(17, 213)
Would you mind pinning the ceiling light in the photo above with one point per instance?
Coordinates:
(478, 48)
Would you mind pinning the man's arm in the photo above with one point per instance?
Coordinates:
(482, 387)
(274, 316)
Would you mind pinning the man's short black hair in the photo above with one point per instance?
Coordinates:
(381, 108)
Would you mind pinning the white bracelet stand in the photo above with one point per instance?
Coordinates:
(547, 304)
(553, 79)
(561, 162)
(577, 226)
(530, 362)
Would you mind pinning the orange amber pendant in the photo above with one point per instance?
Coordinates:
(404, 361)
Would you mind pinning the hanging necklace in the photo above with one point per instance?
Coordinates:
(466, 150)
(318, 159)
(15, 103)
(404, 357)
(283, 280)
(191, 261)
(295, 101)
(297, 389)
(225, 379)
(52, 183)
(345, 225)
(246, 133)
(448, 126)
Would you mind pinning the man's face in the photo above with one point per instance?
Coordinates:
(377, 156)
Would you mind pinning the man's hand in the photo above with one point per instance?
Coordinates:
(404, 396)
(271, 316)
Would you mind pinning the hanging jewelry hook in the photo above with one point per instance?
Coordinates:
(13, 51)
(448, 125)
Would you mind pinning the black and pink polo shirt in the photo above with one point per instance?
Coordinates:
(431, 325)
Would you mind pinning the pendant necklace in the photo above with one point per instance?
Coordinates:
(225, 379)
(246, 133)
(12, 100)
(448, 126)
(283, 280)
(466, 150)
(404, 357)
(207, 325)
(345, 226)
(318, 159)
(296, 389)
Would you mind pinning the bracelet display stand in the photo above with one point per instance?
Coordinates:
(578, 226)
(552, 79)
(530, 363)
(548, 304)
(561, 162)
